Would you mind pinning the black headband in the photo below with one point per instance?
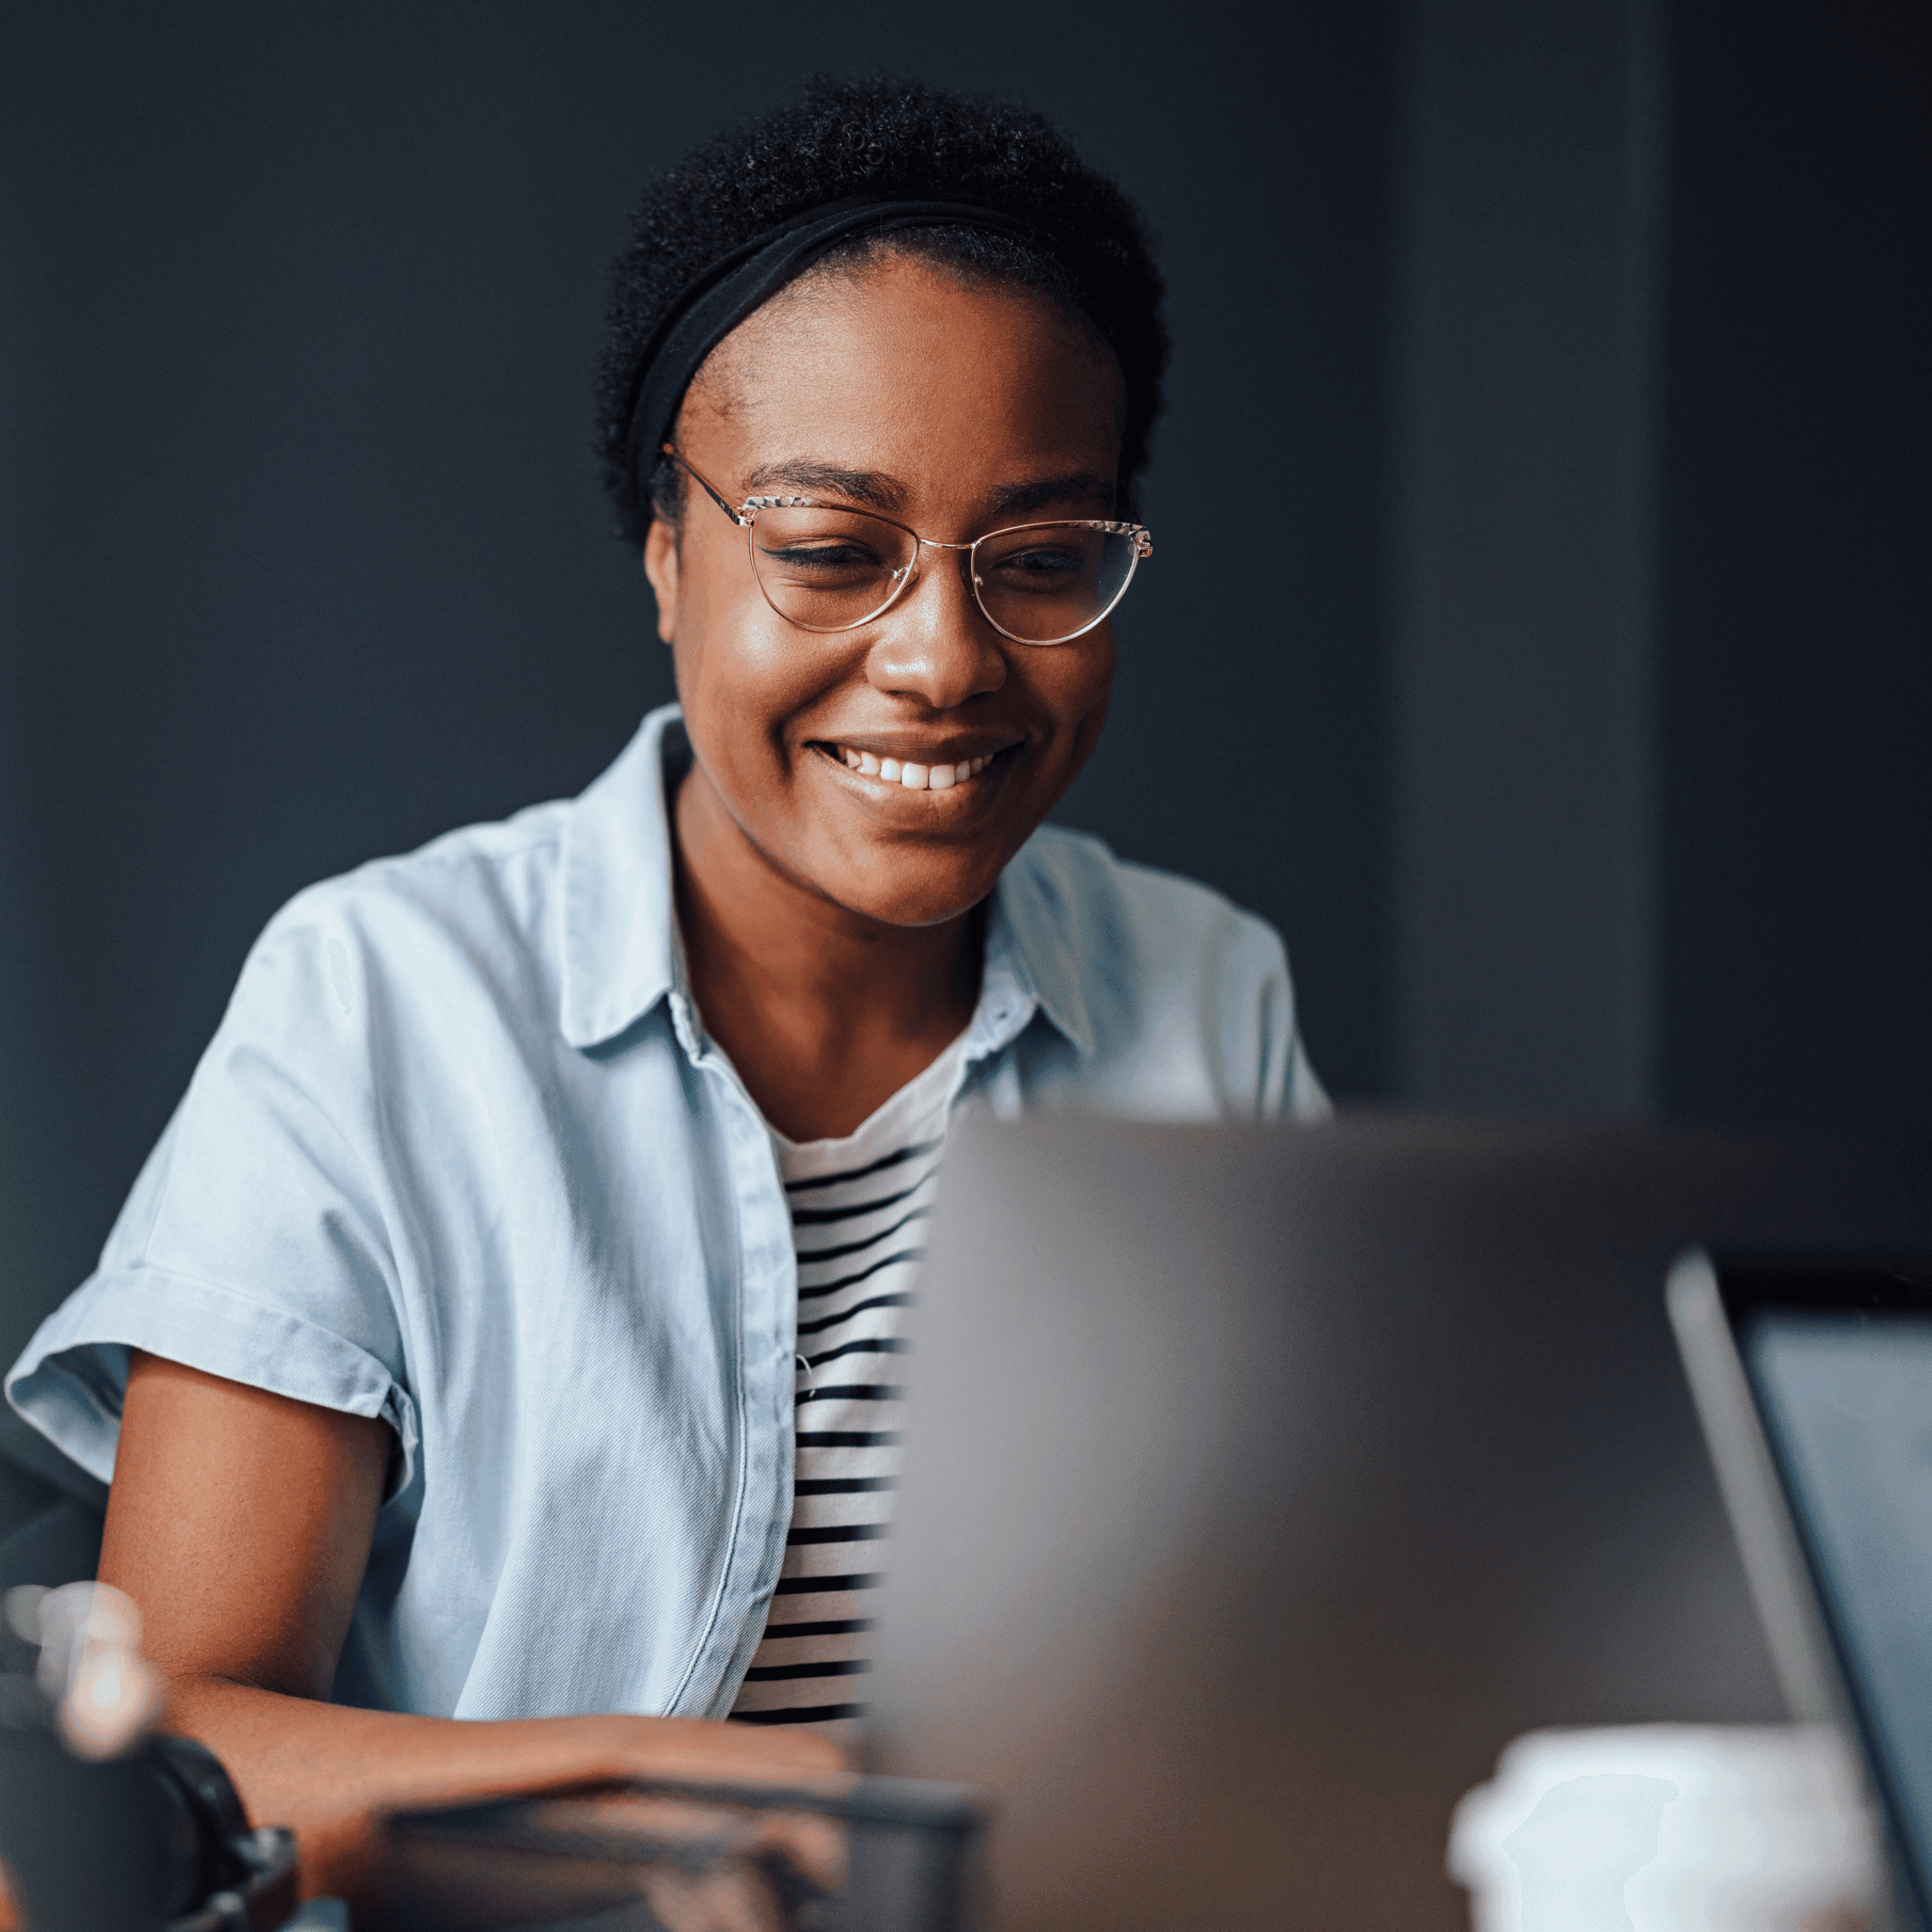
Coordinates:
(728, 291)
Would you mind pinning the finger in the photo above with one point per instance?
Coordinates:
(730, 1897)
(817, 1848)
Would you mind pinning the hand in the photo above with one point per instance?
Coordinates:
(699, 1864)
(759, 1864)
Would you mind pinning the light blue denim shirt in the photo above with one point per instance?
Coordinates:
(461, 1156)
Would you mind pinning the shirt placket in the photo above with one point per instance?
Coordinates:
(765, 1271)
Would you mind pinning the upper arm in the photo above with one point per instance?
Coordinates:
(240, 1523)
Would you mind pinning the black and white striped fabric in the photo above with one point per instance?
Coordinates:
(860, 1207)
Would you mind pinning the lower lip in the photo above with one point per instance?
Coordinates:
(959, 795)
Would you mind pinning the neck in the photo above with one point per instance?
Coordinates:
(824, 1012)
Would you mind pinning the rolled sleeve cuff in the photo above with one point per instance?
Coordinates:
(70, 1382)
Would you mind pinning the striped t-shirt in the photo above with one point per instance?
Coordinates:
(859, 1207)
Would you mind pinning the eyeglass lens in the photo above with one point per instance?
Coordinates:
(830, 570)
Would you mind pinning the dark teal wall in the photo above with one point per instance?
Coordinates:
(1798, 706)
(301, 556)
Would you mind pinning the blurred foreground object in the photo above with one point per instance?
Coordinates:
(1669, 1828)
(104, 1696)
(105, 1827)
(847, 1855)
(1334, 1459)
(1813, 1376)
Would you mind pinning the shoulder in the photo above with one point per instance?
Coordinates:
(1175, 927)
(473, 908)
(480, 876)
(1181, 989)
(379, 1011)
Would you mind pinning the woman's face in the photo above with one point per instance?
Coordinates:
(954, 410)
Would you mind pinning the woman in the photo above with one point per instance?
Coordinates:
(445, 1355)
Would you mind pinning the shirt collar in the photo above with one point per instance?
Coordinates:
(620, 933)
(621, 951)
(1032, 962)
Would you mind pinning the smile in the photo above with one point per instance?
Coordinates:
(914, 775)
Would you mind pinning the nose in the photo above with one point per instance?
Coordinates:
(935, 643)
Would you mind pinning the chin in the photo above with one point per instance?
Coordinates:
(910, 894)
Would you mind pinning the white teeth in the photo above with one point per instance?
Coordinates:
(909, 773)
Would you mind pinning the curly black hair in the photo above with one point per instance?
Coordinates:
(904, 140)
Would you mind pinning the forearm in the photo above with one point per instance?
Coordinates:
(240, 1522)
(329, 1772)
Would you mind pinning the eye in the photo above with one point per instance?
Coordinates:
(818, 549)
(827, 556)
(1048, 566)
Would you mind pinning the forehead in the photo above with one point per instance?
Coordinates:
(900, 365)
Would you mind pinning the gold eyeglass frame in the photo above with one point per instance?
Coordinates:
(745, 516)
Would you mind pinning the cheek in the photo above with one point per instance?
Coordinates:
(1072, 682)
(740, 671)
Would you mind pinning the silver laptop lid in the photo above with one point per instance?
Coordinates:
(1262, 1484)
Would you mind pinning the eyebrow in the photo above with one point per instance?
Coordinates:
(1082, 486)
(881, 492)
(862, 486)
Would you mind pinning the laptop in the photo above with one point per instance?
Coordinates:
(1812, 1379)
(1261, 1484)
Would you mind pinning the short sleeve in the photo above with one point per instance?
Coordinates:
(255, 1245)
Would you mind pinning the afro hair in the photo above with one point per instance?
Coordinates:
(899, 140)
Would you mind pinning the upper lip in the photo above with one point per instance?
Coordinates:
(955, 748)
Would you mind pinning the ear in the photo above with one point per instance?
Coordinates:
(660, 566)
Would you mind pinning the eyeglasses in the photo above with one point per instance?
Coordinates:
(825, 568)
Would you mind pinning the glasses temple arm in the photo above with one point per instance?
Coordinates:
(678, 457)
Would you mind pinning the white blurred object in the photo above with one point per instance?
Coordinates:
(1663, 1827)
(106, 1698)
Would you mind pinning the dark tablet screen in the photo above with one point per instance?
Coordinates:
(1845, 1394)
